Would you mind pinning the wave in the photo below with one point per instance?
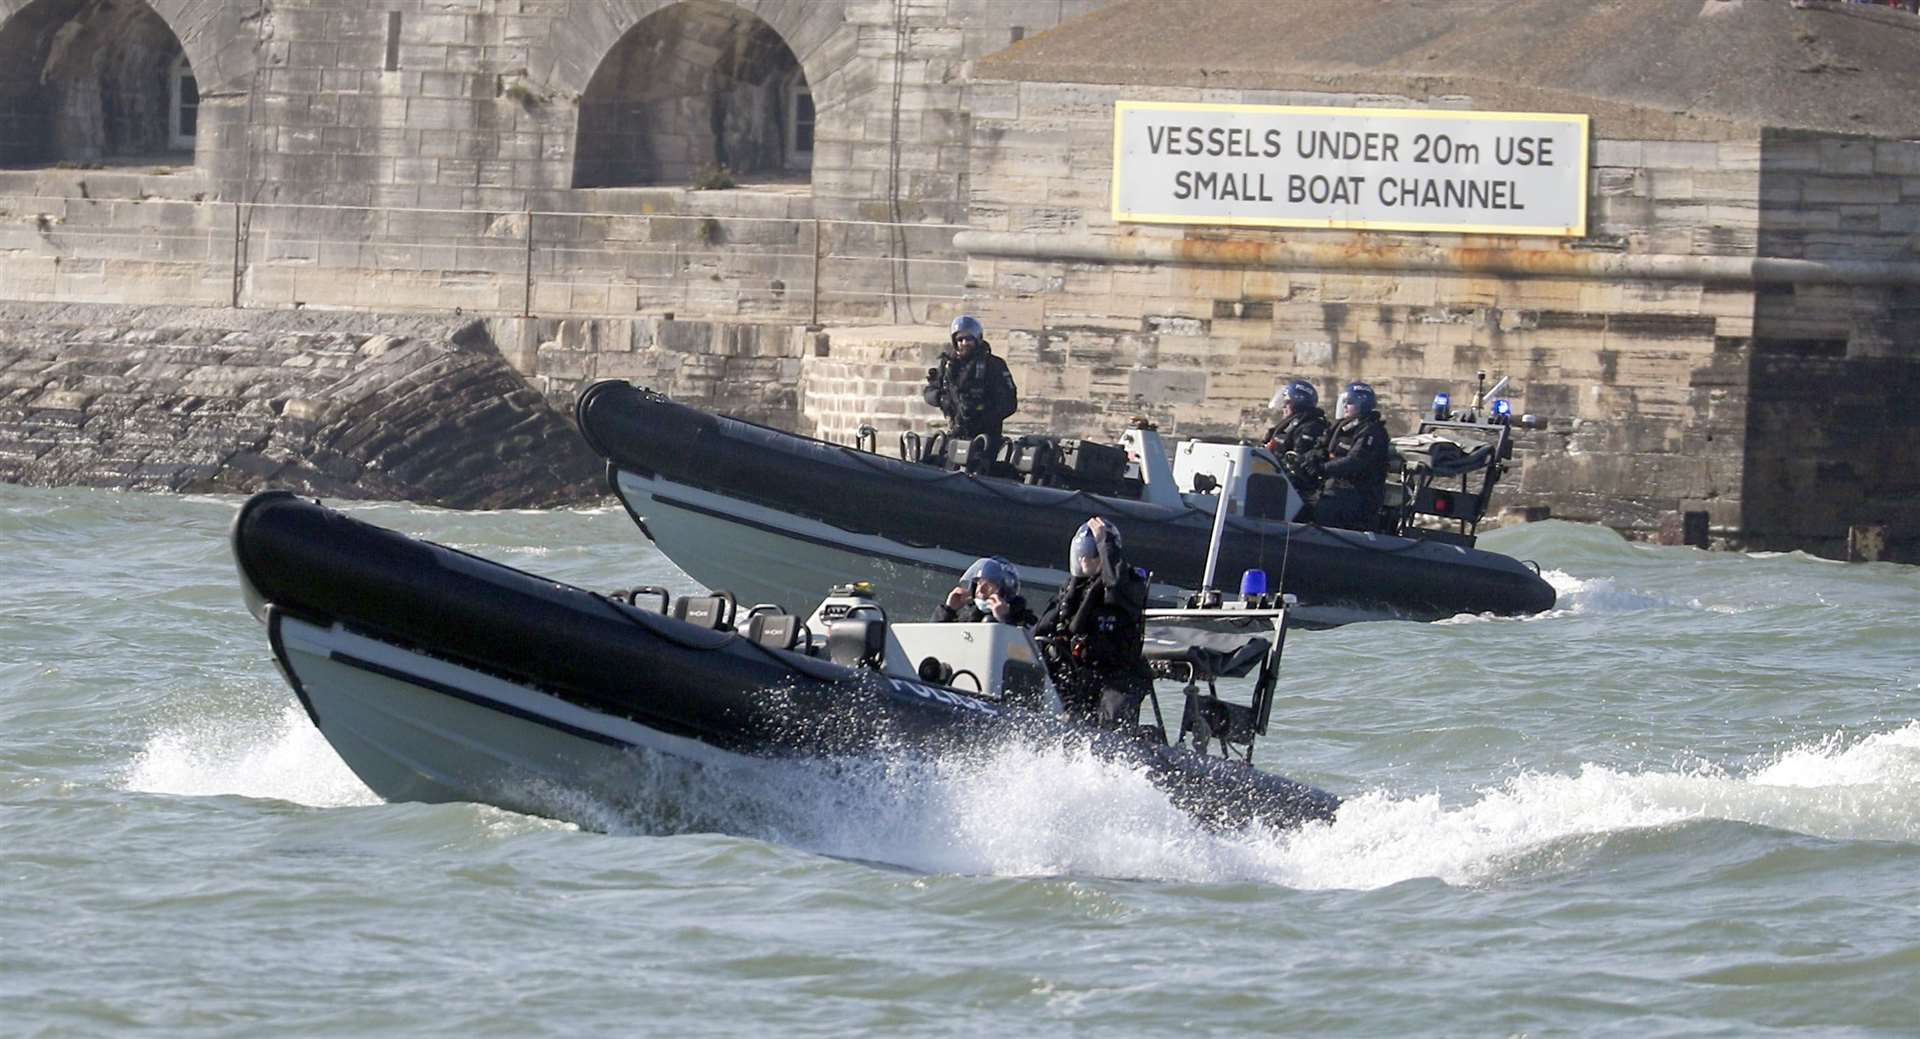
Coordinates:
(1865, 792)
(1582, 596)
(1049, 811)
(283, 758)
(1025, 812)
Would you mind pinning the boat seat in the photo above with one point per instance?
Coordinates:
(774, 630)
(857, 642)
(646, 597)
(705, 611)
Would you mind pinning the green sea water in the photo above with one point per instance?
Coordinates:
(1685, 803)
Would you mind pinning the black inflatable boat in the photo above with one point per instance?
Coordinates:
(439, 676)
(777, 516)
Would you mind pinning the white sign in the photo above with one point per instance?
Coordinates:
(1379, 169)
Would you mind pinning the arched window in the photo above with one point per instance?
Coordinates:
(693, 86)
(799, 124)
(183, 105)
(85, 81)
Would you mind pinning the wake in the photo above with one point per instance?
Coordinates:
(1049, 811)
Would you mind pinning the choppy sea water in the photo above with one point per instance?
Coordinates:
(1685, 803)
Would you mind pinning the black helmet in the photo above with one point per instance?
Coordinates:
(966, 325)
(1086, 547)
(1361, 396)
(995, 569)
(1299, 393)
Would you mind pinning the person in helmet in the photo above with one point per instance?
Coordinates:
(1093, 631)
(1301, 424)
(1353, 461)
(988, 591)
(1301, 429)
(972, 386)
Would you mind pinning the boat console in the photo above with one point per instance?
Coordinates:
(1197, 645)
(993, 661)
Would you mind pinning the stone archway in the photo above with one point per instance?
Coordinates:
(694, 86)
(88, 81)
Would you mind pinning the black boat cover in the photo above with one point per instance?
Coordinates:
(920, 506)
(708, 685)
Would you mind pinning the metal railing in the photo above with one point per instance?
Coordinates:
(529, 263)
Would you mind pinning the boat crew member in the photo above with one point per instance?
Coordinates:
(1302, 424)
(1353, 460)
(972, 386)
(1093, 630)
(988, 591)
(1301, 429)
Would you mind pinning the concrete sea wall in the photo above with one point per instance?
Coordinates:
(339, 405)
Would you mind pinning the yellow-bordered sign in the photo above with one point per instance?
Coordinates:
(1383, 169)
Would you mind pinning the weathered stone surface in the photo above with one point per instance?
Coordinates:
(419, 410)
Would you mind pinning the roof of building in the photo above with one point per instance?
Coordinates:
(1831, 66)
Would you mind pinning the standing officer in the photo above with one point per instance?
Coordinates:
(972, 386)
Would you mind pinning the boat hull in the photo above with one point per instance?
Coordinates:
(742, 507)
(439, 676)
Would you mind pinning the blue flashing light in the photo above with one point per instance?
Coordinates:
(1502, 406)
(1442, 405)
(1253, 583)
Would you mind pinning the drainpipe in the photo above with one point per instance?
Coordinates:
(1518, 263)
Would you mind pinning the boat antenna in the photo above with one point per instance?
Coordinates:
(1222, 502)
(1286, 550)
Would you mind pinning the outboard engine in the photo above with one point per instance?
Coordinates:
(856, 627)
(858, 640)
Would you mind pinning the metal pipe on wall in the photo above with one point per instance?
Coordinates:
(1519, 263)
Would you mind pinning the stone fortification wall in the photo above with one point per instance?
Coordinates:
(1631, 373)
(412, 154)
(869, 377)
(753, 371)
(526, 163)
(1636, 343)
(825, 384)
(1832, 439)
(183, 399)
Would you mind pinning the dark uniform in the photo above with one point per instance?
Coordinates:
(1300, 437)
(976, 392)
(1355, 470)
(1018, 614)
(1301, 433)
(1095, 630)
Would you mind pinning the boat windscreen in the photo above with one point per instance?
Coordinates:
(1215, 647)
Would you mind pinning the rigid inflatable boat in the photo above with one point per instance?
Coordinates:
(439, 676)
(776, 516)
